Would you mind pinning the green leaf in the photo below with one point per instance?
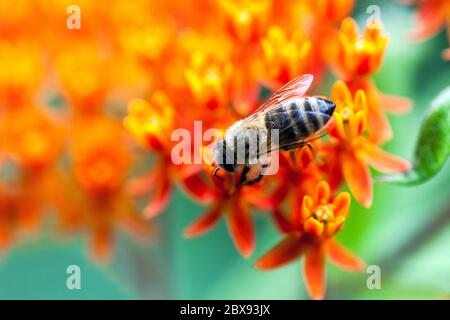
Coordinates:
(433, 144)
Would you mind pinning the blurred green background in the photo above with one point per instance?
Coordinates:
(406, 232)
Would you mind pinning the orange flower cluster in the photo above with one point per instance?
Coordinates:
(225, 59)
(432, 16)
(155, 66)
(63, 149)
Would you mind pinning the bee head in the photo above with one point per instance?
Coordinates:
(222, 154)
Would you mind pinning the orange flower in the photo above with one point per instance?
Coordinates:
(20, 72)
(330, 10)
(84, 74)
(378, 103)
(286, 56)
(227, 197)
(311, 234)
(100, 165)
(354, 150)
(299, 174)
(318, 18)
(432, 15)
(151, 123)
(208, 80)
(18, 218)
(32, 136)
(30, 144)
(223, 81)
(228, 201)
(17, 19)
(354, 58)
(146, 41)
(353, 55)
(25, 195)
(246, 20)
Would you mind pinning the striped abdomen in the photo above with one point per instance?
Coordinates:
(298, 119)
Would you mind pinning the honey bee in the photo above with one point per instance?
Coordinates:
(298, 120)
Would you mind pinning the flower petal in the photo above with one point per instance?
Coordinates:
(259, 197)
(305, 157)
(284, 252)
(307, 205)
(240, 225)
(394, 104)
(343, 258)
(431, 20)
(331, 170)
(137, 226)
(159, 200)
(342, 204)
(361, 101)
(102, 243)
(142, 185)
(207, 221)
(314, 272)
(357, 176)
(340, 92)
(378, 125)
(446, 54)
(357, 123)
(313, 227)
(339, 129)
(384, 161)
(283, 224)
(335, 226)
(195, 186)
(322, 194)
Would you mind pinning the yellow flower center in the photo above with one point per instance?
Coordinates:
(346, 111)
(244, 17)
(145, 119)
(323, 213)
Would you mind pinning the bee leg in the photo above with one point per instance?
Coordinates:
(293, 157)
(215, 174)
(311, 149)
(293, 146)
(243, 178)
(256, 180)
(299, 145)
(260, 175)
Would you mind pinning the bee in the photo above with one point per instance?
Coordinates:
(298, 120)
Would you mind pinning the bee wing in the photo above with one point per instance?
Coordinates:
(295, 88)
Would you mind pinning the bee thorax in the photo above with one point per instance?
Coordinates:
(242, 145)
